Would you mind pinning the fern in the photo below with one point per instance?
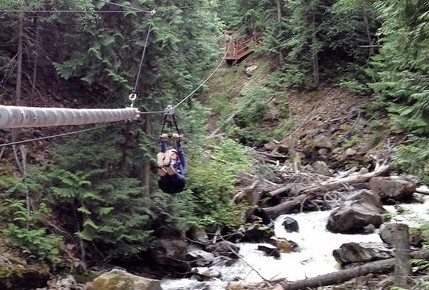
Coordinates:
(25, 231)
(413, 157)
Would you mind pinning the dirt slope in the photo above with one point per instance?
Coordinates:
(330, 114)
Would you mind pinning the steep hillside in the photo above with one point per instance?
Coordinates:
(327, 124)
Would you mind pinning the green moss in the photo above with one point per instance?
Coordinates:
(19, 275)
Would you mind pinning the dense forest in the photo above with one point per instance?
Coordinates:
(93, 196)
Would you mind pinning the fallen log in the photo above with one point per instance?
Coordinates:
(335, 183)
(284, 207)
(342, 276)
(311, 192)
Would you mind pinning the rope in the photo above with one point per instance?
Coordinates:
(48, 137)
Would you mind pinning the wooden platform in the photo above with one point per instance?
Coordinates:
(239, 47)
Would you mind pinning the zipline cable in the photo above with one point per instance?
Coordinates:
(123, 6)
(207, 79)
(142, 58)
(170, 110)
(73, 11)
(48, 137)
(133, 95)
(22, 117)
(38, 117)
(128, 9)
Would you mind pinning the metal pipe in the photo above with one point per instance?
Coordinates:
(23, 117)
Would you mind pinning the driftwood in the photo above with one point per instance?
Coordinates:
(313, 191)
(352, 179)
(342, 276)
(284, 207)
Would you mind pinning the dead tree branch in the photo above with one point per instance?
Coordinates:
(347, 274)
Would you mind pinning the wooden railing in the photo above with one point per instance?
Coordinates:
(239, 47)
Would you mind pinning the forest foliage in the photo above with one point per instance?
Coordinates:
(96, 190)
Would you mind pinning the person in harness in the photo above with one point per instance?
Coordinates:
(171, 166)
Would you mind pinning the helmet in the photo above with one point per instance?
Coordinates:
(173, 150)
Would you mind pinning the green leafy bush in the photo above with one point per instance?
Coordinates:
(24, 230)
(251, 115)
(413, 157)
(212, 181)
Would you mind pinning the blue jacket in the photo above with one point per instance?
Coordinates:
(174, 183)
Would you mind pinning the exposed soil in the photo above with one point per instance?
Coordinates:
(329, 110)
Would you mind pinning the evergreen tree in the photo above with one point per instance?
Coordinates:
(401, 69)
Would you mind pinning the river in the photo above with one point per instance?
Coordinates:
(314, 258)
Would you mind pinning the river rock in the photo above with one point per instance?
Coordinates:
(322, 141)
(256, 233)
(199, 258)
(170, 252)
(290, 225)
(387, 234)
(269, 250)
(224, 248)
(354, 215)
(391, 187)
(284, 245)
(320, 167)
(350, 253)
(206, 272)
(199, 235)
(120, 279)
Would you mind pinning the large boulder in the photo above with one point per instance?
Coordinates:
(197, 257)
(388, 232)
(355, 215)
(350, 253)
(392, 188)
(120, 279)
(170, 248)
(170, 253)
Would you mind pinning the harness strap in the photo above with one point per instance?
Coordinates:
(169, 120)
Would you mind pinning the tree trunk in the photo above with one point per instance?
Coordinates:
(146, 167)
(347, 274)
(36, 53)
(315, 59)
(402, 255)
(18, 89)
(368, 33)
(285, 207)
(279, 19)
(19, 64)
